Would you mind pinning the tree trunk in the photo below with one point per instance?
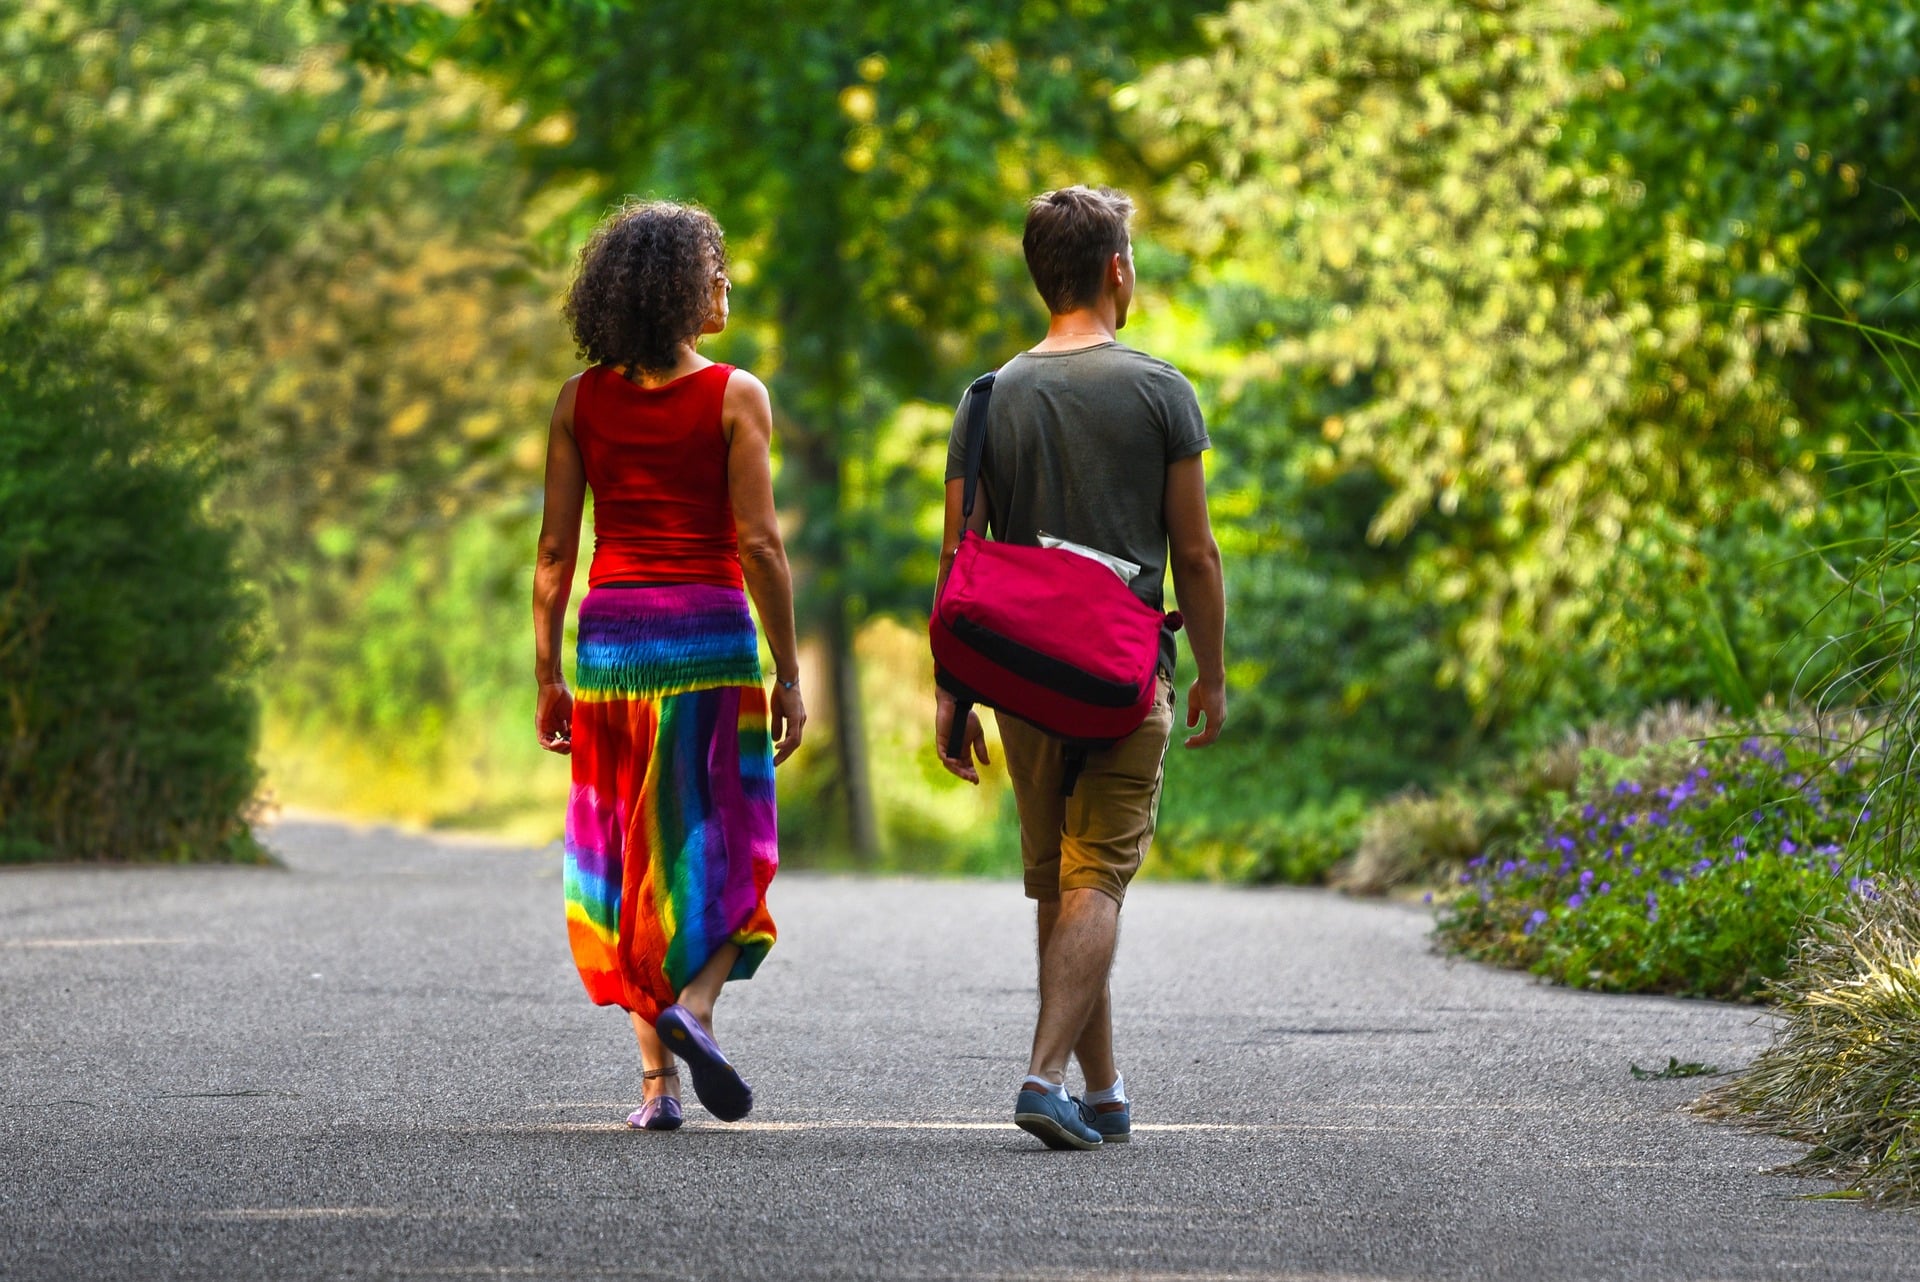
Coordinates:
(850, 735)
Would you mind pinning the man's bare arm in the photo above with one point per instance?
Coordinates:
(1197, 581)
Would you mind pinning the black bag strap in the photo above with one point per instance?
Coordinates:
(979, 396)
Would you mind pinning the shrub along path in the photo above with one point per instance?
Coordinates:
(378, 1062)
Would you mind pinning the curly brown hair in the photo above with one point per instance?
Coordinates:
(645, 284)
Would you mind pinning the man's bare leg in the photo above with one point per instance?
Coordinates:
(1074, 961)
(1094, 1049)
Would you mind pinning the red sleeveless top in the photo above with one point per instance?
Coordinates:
(656, 461)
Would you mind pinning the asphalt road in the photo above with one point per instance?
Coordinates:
(377, 1062)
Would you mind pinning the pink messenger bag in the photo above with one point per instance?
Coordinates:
(1046, 634)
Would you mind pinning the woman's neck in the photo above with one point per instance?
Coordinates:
(690, 362)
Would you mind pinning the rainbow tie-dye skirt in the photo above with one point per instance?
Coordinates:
(671, 837)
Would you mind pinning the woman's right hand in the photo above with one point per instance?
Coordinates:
(553, 717)
(786, 720)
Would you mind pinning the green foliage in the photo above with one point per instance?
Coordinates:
(1337, 658)
(1688, 868)
(1391, 164)
(1844, 1074)
(864, 163)
(126, 640)
(315, 271)
(1873, 658)
(1774, 140)
(405, 691)
(1220, 820)
(1538, 298)
(1411, 838)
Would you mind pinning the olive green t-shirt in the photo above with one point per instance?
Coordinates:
(1078, 445)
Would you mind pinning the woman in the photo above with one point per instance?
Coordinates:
(670, 838)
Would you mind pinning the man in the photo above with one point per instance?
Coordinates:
(1090, 441)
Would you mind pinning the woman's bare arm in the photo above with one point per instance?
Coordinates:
(559, 548)
(747, 415)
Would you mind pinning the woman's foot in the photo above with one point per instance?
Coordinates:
(661, 1111)
(716, 1083)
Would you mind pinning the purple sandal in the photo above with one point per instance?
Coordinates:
(716, 1083)
(662, 1112)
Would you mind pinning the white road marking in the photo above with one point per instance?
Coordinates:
(893, 1124)
(129, 941)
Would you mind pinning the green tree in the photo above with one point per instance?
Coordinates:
(1778, 142)
(127, 641)
(1388, 173)
(319, 274)
(866, 162)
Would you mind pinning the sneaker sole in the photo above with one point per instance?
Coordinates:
(1051, 1133)
(1124, 1137)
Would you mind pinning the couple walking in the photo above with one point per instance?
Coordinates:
(673, 733)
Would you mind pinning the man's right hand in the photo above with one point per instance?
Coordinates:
(945, 707)
(1208, 698)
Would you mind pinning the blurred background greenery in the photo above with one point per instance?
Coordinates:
(1501, 312)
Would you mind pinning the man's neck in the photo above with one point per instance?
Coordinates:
(1082, 327)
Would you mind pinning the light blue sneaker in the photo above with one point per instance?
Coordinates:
(1056, 1121)
(1114, 1124)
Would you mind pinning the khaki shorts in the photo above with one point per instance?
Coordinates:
(1095, 839)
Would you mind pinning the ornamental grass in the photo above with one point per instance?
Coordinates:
(1844, 1072)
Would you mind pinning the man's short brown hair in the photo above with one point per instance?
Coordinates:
(1072, 234)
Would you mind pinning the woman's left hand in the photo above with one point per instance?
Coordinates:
(553, 717)
(787, 720)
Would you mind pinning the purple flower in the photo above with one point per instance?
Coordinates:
(1507, 868)
(1576, 899)
(1787, 847)
(1535, 921)
(1586, 878)
(1605, 886)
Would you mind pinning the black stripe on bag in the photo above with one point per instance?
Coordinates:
(1043, 669)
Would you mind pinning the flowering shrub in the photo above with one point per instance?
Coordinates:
(1688, 870)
